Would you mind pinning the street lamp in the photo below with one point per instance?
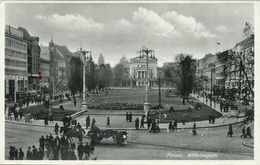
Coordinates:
(85, 59)
(145, 52)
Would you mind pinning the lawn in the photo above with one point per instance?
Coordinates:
(135, 96)
(40, 111)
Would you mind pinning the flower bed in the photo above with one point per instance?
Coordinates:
(121, 106)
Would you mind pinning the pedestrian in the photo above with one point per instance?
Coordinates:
(87, 121)
(40, 154)
(87, 151)
(194, 132)
(51, 118)
(230, 131)
(142, 122)
(153, 129)
(29, 154)
(20, 114)
(130, 117)
(108, 121)
(93, 121)
(75, 102)
(56, 128)
(137, 123)
(243, 132)
(170, 126)
(21, 154)
(80, 150)
(11, 153)
(34, 153)
(175, 125)
(42, 142)
(127, 116)
(148, 123)
(248, 132)
(171, 109)
(46, 120)
(213, 120)
(210, 119)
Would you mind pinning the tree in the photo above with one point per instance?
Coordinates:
(104, 76)
(76, 75)
(119, 75)
(183, 76)
(91, 75)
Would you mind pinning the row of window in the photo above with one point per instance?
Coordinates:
(10, 62)
(15, 72)
(15, 43)
(14, 53)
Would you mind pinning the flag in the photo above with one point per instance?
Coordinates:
(218, 43)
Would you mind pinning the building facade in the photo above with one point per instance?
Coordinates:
(241, 68)
(44, 68)
(138, 70)
(33, 60)
(205, 70)
(59, 67)
(16, 75)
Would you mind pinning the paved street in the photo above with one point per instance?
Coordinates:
(165, 145)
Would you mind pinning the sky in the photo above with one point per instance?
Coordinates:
(122, 29)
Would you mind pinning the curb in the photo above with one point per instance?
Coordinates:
(215, 126)
(247, 145)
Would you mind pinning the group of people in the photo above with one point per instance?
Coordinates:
(246, 132)
(129, 116)
(137, 122)
(56, 148)
(172, 125)
(93, 122)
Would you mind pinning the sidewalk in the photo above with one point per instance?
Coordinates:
(223, 121)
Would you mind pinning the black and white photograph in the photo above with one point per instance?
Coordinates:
(128, 80)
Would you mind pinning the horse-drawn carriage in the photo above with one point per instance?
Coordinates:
(95, 134)
(119, 137)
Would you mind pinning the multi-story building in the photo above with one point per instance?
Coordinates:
(33, 51)
(59, 72)
(205, 70)
(241, 67)
(44, 68)
(138, 71)
(16, 76)
(221, 67)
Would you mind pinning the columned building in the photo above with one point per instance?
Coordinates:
(15, 62)
(138, 71)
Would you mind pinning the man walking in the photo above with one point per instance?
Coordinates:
(87, 121)
(56, 129)
(142, 122)
(108, 121)
(130, 117)
(127, 116)
(137, 123)
(243, 132)
(230, 131)
(248, 132)
(75, 102)
(80, 150)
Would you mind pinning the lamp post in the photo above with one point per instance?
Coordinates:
(85, 60)
(145, 52)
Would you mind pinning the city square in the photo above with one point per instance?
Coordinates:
(112, 88)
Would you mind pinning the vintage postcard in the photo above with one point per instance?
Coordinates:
(120, 81)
